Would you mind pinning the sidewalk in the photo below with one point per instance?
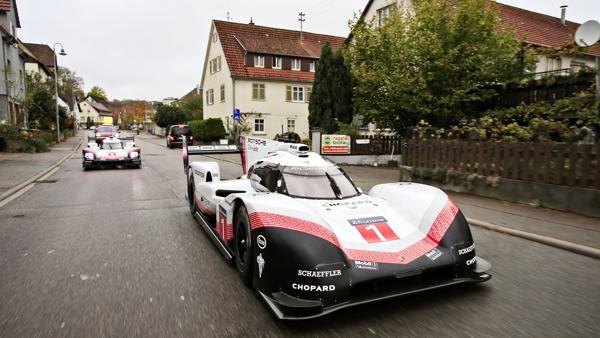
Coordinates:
(16, 168)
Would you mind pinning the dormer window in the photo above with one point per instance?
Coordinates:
(296, 64)
(276, 62)
(259, 61)
(311, 66)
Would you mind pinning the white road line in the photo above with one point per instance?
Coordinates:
(26, 188)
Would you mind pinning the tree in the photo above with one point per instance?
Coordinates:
(168, 115)
(208, 130)
(193, 107)
(432, 64)
(69, 83)
(98, 94)
(331, 97)
(39, 102)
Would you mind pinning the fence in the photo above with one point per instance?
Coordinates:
(375, 145)
(552, 163)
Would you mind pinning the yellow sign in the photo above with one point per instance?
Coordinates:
(107, 120)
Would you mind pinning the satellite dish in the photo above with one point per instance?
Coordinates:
(587, 34)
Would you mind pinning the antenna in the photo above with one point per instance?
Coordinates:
(228, 17)
(301, 19)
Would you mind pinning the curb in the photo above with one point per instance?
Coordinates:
(35, 177)
(557, 243)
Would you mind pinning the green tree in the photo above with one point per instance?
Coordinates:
(98, 94)
(39, 102)
(193, 107)
(69, 83)
(168, 115)
(433, 64)
(331, 97)
(211, 129)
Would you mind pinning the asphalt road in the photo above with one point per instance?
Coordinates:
(116, 253)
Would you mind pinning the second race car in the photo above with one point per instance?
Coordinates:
(112, 151)
(311, 242)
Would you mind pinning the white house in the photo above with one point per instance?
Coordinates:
(265, 72)
(536, 29)
(96, 111)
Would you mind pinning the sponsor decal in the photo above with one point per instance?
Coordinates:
(307, 287)
(365, 265)
(434, 254)
(374, 229)
(349, 204)
(257, 141)
(319, 274)
(261, 241)
(261, 264)
(471, 261)
(466, 250)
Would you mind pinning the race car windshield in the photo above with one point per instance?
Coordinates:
(318, 183)
(106, 129)
(111, 146)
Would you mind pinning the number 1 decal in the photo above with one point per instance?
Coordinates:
(374, 229)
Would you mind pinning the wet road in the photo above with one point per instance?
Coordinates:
(116, 253)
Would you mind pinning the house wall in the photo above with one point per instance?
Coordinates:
(219, 109)
(546, 64)
(34, 68)
(15, 91)
(88, 110)
(371, 14)
(274, 109)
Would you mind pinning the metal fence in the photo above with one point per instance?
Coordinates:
(552, 163)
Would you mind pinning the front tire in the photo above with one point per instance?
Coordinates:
(243, 245)
(191, 195)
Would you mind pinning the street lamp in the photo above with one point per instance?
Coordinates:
(63, 53)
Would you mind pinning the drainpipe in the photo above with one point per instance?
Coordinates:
(6, 81)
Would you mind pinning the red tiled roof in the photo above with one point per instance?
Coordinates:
(539, 29)
(99, 107)
(235, 37)
(42, 52)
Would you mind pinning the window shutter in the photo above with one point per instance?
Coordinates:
(288, 93)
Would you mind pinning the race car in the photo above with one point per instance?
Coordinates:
(112, 151)
(311, 242)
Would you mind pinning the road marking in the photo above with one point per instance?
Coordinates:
(16, 195)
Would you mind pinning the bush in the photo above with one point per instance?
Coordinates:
(208, 130)
(15, 141)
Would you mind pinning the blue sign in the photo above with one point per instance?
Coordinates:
(236, 114)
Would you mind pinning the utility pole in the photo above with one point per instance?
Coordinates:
(301, 19)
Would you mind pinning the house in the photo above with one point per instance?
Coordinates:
(535, 29)
(192, 93)
(72, 107)
(266, 73)
(97, 112)
(43, 53)
(12, 86)
(33, 65)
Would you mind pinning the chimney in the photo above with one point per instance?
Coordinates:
(251, 22)
(563, 14)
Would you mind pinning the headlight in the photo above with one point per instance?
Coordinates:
(134, 154)
(89, 156)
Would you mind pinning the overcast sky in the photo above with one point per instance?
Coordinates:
(152, 49)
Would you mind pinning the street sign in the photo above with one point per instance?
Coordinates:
(236, 114)
(335, 144)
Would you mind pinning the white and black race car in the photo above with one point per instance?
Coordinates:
(111, 151)
(311, 242)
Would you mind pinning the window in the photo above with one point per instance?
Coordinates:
(258, 91)
(276, 62)
(222, 93)
(383, 14)
(317, 182)
(311, 65)
(214, 37)
(259, 125)
(259, 61)
(291, 126)
(297, 94)
(553, 63)
(308, 92)
(215, 65)
(219, 63)
(210, 97)
(296, 64)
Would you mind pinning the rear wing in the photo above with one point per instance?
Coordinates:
(205, 150)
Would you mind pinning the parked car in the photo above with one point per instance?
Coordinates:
(174, 135)
(289, 137)
(104, 131)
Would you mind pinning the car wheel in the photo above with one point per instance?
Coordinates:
(243, 245)
(191, 195)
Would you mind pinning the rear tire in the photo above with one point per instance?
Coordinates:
(243, 245)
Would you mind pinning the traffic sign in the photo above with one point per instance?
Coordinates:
(236, 114)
